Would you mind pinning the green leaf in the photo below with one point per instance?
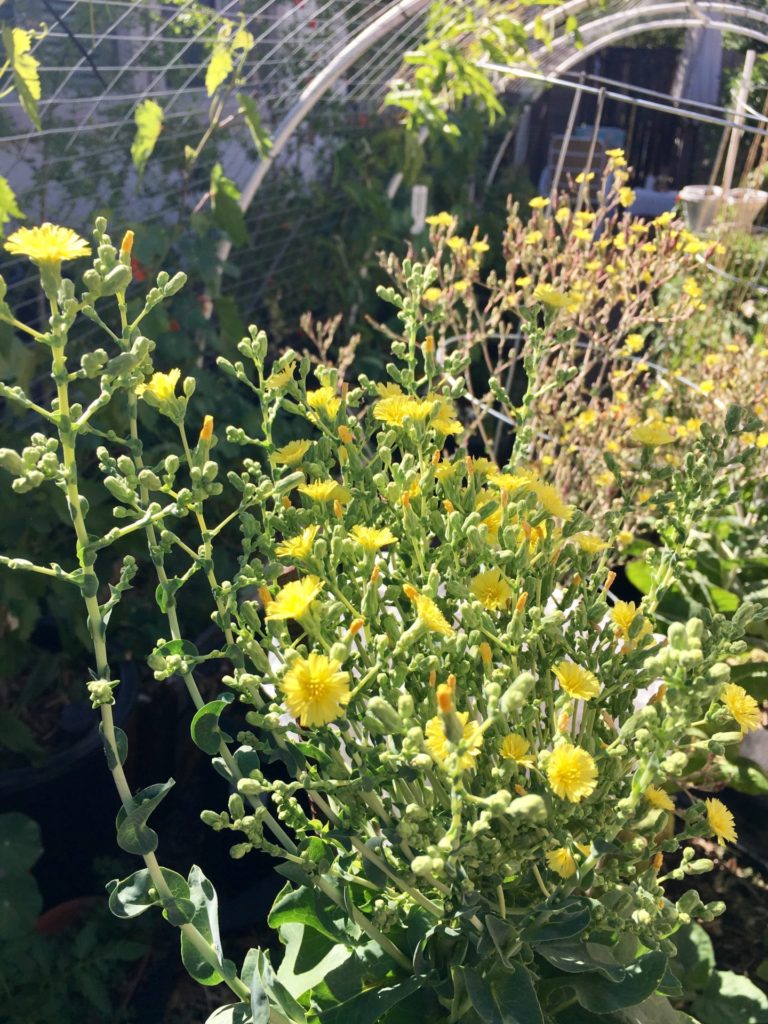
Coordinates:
(133, 833)
(301, 906)
(226, 208)
(753, 676)
(165, 591)
(267, 991)
(233, 1013)
(206, 919)
(599, 995)
(20, 904)
(250, 111)
(554, 924)
(122, 747)
(17, 737)
(149, 123)
(655, 1010)
(24, 70)
(723, 599)
(205, 729)
(508, 997)
(370, 1006)
(134, 895)
(20, 845)
(8, 206)
(309, 957)
(731, 998)
(580, 957)
(219, 68)
(746, 776)
(695, 958)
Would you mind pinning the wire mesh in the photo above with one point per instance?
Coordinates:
(98, 61)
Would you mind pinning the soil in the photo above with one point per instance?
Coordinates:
(740, 935)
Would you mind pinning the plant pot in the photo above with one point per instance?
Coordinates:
(71, 795)
(701, 204)
(744, 206)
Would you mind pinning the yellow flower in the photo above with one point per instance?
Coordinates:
(395, 409)
(593, 265)
(294, 599)
(443, 415)
(491, 590)
(556, 299)
(664, 219)
(707, 387)
(563, 215)
(743, 708)
(626, 196)
(457, 243)
(325, 490)
(480, 246)
(652, 433)
(659, 798)
(533, 238)
(279, 378)
(441, 220)
(617, 155)
(623, 614)
(298, 547)
(48, 244)
(561, 862)
(538, 202)
(550, 499)
(582, 234)
(437, 744)
(523, 282)
(315, 689)
(576, 681)
(721, 821)
(584, 176)
(432, 295)
(427, 612)
(371, 539)
(634, 342)
(589, 542)
(290, 454)
(692, 288)
(161, 386)
(431, 616)
(572, 773)
(325, 400)
(516, 748)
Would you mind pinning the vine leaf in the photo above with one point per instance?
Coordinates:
(24, 69)
(149, 123)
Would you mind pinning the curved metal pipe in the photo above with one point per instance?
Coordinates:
(394, 16)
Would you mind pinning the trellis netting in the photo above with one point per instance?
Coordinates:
(154, 113)
(158, 114)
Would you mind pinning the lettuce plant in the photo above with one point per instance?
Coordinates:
(476, 810)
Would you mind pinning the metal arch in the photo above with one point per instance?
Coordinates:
(407, 9)
(650, 10)
(402, 10)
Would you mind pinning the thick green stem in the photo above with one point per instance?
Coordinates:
(97, 630)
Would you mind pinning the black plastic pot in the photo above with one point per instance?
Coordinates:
(72, 797)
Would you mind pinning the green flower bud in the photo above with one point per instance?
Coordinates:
(100, 691)
(530, 808)
(700, 866)
(514, 698)
(421, 866)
